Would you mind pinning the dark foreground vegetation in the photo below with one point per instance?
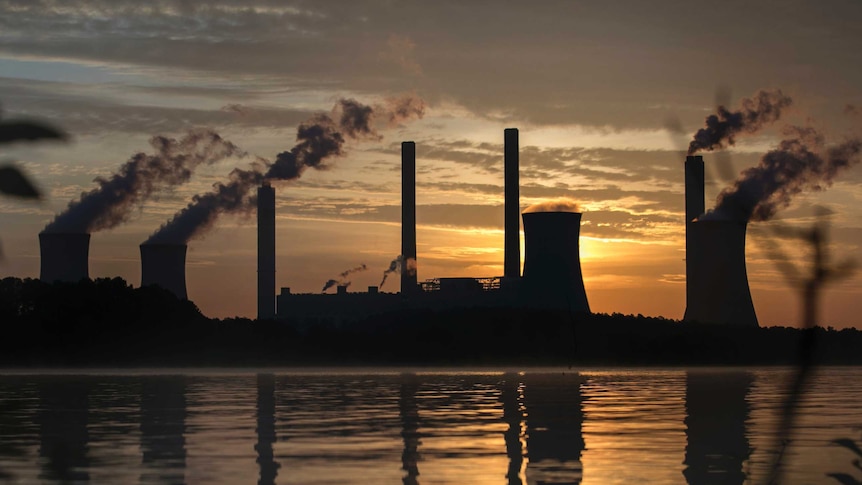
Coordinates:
(106, 322)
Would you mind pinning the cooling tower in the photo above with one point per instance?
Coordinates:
(694, 207)
(512, 239)
(265, 252)
(165, 265)
(718, 287)
(64, 256)
(552, 263)
(409, 282)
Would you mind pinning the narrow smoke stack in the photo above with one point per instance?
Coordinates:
(512, 255)
(265, 252)
(718, 289)
(64, 257)
(552, 262)
(409, 282)
(164, 265)
(694, 207)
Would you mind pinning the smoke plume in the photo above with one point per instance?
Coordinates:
(341, 279)
(318, 140)
(398, 265)
(112, 202)
(801, 162)
(722, 128)
(555, 205)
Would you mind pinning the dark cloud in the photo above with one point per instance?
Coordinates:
(801, 162)
(82, 110)
(113, 200)
(318, 140)
(558, 62)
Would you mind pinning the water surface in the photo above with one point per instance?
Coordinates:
(556, 426)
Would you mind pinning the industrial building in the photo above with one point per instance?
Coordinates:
(64, 257)
(552, 270)
(717, 289)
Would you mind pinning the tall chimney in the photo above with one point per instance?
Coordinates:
(512, 251)
(718, 289)
(165, 265)
(265, 252)
(552, 261)
(64, 256)
(694, 207)
(409, 282)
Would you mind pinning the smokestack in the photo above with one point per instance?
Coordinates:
(64, 256)
(265, 252)
(718, 290)
(694, 207)
(552, 262)
(409, 282)
(512, 255)
(164, 265)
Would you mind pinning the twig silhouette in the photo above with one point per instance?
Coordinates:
(821, 272)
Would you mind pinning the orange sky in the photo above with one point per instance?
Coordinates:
(591, 88)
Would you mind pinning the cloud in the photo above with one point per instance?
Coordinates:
(399, 49)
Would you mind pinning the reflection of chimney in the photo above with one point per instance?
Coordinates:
(552, 262)
(265, 252)
(694, 207)
(64, 256)
(408, 410)
(512, 239)
(266, 436)
(718, 288)
(408, 216)
(716, 411)
(513, 415)
(165, 265)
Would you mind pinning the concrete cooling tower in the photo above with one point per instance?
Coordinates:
(64, 257)
(718, 288)
(552, 261)
(165, 265)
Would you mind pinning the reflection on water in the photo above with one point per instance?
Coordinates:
(63, 436)
(716, 412)
(163, 429)
(554, 419)
(615, 426)
(409, 413)
(266, 429)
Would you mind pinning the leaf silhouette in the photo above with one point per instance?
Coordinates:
(28, 131)
(849, 444)
(844, 479)
(13, 182)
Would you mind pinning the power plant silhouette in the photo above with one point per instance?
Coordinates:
(716, 280)
(717, 288)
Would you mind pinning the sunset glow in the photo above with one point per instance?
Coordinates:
(596, 109)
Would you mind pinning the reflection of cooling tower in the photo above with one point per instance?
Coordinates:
(552, 263)
(64, 256)
(718, 288)
(165, 265)
(554, 421)
(716, 413)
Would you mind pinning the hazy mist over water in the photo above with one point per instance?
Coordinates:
(385, 426)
